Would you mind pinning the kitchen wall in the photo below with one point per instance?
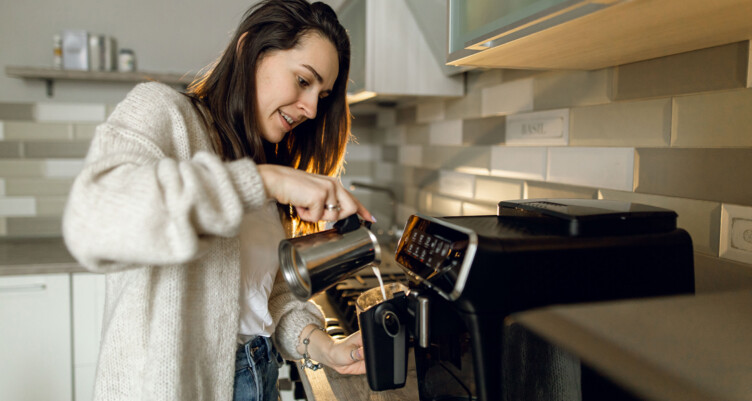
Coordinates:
(674, 132)
(175, 36)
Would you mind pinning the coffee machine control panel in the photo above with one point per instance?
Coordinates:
(437, 253)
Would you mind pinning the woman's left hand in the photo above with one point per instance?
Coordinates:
(344, 356)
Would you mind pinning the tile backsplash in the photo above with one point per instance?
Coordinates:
(674, 132)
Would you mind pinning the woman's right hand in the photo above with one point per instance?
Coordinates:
(310, 193)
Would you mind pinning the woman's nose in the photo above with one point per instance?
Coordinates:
(308, 102)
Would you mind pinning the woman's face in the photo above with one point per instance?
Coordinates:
(290, 83)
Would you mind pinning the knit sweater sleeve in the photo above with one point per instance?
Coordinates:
(291, 316)
(150, 193)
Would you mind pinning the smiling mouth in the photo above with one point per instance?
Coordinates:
(287, 118)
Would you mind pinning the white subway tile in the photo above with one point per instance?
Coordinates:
(441, 206)
(519, 162)
(52, 112)
(411, 155)
(611, 168)
(446, 133)
(497, 190)
(63, 167)
(456, 184)
(2, 187)
(18, 206)
(429, 112)
(477, 209)
(508, 98)
(2, 131)
(540, 128)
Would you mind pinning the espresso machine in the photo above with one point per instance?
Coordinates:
(468, 274)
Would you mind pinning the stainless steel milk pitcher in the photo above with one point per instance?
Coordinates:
(312, 263)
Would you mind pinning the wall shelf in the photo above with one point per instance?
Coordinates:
(50, 75)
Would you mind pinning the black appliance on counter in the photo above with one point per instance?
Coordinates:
(469, 273)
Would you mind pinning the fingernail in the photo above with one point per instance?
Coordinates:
(373, 218)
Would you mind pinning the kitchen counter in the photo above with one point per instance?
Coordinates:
(36, 256)
(668, 348)
(326, 384)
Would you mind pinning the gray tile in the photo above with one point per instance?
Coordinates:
(84, 131)
(359, 169)
(406, 115)
(475, 159)
(34, 131)
(468, 106)
(390, 153)
(49, 150)
(417, 134)
(564, 89)
(721, 175)
(37, 186)
(22, 168)
(536, 189)
(33, 226)
(640, 123)
(713, 120)
(425, 177)
(364, 121)
(484, 131)
(716, 68)
(10, 150)
(16, 111)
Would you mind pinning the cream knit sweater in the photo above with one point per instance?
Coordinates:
(158, 212)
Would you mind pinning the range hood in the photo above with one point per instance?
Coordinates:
(392, 61)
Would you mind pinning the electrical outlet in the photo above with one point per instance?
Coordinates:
(736, 233)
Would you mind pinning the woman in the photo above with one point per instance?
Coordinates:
(180, 203)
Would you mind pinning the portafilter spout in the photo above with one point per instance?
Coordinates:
(313, 263)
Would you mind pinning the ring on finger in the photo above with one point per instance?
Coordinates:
(351, 355)
(332, 207)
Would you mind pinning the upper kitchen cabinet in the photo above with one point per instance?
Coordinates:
(588, 34)
(391, 59)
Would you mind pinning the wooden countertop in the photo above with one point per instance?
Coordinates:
(326, 384)
(691, 347)
(36, 256)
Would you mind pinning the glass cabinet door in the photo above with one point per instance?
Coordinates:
(477, 25)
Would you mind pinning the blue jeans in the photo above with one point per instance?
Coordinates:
(257, 365)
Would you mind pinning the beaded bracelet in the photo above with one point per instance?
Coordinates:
(307, 362)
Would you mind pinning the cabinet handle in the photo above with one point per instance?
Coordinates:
(23, 288)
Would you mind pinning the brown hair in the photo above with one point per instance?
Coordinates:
(227, 91)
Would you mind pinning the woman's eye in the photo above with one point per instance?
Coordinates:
(302, 82)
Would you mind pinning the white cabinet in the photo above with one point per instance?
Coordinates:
(390, 57)
(50, 326)
(35, 338)
(88, 308)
